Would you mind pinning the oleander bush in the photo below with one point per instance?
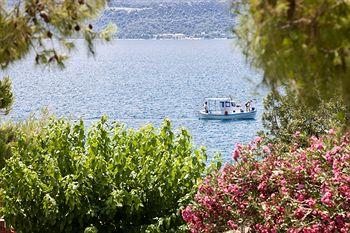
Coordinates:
(110, 179)
(302, 190)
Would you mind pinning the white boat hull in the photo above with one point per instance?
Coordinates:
(230, 116)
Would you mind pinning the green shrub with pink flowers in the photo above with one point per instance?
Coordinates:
(306, 189)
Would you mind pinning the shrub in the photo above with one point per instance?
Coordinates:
(288, 113)
(111, 179)
(10, 131)
(7, 136)
(302, 190)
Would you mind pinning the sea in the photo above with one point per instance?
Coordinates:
(139, 82)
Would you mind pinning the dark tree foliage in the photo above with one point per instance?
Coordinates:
(299, 42)
(46, 27)
(6, 96)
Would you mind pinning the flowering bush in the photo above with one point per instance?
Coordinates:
(302, 190)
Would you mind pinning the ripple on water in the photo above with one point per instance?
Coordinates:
(139, 82)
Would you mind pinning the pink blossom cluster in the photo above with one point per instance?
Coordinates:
(303, 190)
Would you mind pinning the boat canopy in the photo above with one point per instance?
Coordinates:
(218, 99)
(222, 104)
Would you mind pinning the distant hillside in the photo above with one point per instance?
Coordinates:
(145, 19)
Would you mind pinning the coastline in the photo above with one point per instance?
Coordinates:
(175, 38)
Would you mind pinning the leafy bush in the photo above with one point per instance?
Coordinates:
(63, 179)
(287, 113)
(7, 136)
(10, 131)
(303, 190)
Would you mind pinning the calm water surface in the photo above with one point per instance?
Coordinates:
(140, 82)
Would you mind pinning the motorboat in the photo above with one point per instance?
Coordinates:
(225, 108)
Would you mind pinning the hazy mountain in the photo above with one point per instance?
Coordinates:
(154, 18)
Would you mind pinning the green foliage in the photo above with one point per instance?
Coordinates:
(109, 179)
(6, 96)
(303, 43)
(286, 114)
(45, 26)
(7, 136)
(7, 130)
(10, 131)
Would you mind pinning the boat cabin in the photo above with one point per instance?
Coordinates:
(221, 105)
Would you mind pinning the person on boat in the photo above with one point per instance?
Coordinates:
(205, 106)
(251, 108)
(247, 106)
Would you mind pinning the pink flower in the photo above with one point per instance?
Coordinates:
(283, 182)
(344, 188)
(239, 146)
(301, 186)
(187, 214)
(320, 146)
(258, 139)
(232, 225)
(299, 213)
(325, 216)
(262, 186)
(284, 191)
(266, 149)
(280, 209)
(233, 188)
(311, 202)
(314, 139)
(300, 197)
(326, 199)
(336, 150)
(236, 154)
(296, 134)
(329, 157)
(331, 132)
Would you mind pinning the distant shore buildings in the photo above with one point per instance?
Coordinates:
(169, 36)
(181, 36)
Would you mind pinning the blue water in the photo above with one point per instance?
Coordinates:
(140, 82)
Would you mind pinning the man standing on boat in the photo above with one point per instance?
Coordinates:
(205, 106)
(248, 105)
